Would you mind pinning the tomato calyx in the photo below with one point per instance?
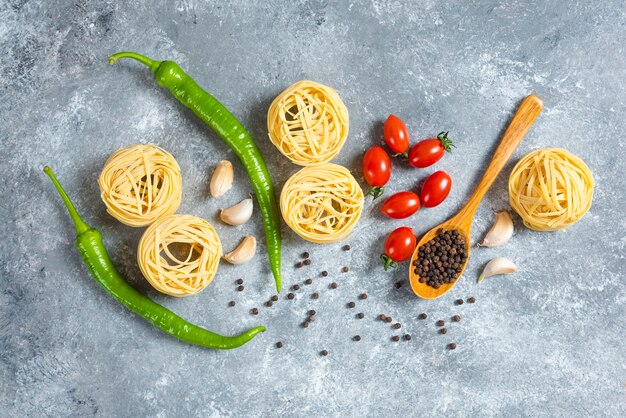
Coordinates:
(376, 191)
(388, 262)
(446, 142)
(401, 155)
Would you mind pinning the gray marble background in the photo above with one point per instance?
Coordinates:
(548, 341)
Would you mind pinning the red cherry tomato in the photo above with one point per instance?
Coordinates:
(427, 152)
(401, 205)
(435, 189)
(376, 170)
(396, 136)
(399, 246)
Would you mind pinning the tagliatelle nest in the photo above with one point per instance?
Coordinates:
(308, 123)
(140, 184)
(322, 203)
(179, 254)
(550, 189)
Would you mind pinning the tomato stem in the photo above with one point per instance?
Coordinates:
(376, 191)
(401, 155)
(388, 262)
(446, 142)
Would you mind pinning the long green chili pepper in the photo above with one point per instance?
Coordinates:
(169, 75)
(99, 264)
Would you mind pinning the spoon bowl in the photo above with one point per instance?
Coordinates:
(523, 119)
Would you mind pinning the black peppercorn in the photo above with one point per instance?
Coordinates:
(274, 298)
(360, 315)
(407, 337)
(363, 296)
(397, 325)
(239, 281)
(456, 318)
(471, 300)
(324, 353)
(307, 262)
(290, 296)
(324, 273)
(255, 311)
(357, 338)
(231, 303)
(395, 338)
(333, 285)
(345, 269)
(295, 287)
(305, 255)
(451, 346)
(443, 331)
(422, 316)
(239, 288)
(440, 323)
(308, 281)
(351, 305)
(346, 247)
(279, 344)
(315, 295)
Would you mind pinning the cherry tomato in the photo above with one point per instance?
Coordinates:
(399, 246)
(396, 136)
(401, 205)
(376, 170)
(427, 152)
(435, 189)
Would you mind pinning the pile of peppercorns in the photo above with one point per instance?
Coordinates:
(441, 259)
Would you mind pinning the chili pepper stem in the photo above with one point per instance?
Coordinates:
(80, 225)
(149, 62)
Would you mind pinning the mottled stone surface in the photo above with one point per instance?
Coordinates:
(548, 341)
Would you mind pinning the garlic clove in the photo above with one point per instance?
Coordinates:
(501, 231)
(244, 251)
(222, 178)
(499, 265)
(238, 214)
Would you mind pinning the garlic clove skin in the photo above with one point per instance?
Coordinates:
(244, 252)
(501, 231)
(238, 214)
(222, 178)
(499, 265)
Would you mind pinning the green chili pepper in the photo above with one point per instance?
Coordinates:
(169, 75)
(99, 264)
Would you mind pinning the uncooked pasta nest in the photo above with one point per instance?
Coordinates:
(550, 189)
(322, 203)
(140, 184)
(308, 123)
(179, 254)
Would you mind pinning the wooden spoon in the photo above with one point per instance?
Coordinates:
(522, 121)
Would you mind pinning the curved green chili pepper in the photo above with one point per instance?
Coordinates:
(99, 264)
(169, 75)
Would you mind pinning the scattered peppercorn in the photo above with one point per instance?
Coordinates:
(295, 287)
(422, 316)
(471, 300)
(231, 303)
(315, 295)
(308, 281)
(363, 296)
(346, 247)
(239, 288)
(440, 323)
(357, 338)
(407, 337)
(305, 255)
(440, 260)
(333, 285)
(395, 338)
(345, 269)
(324, 273)
(382, 317)
(299, 264)
(290, 296)
(458, 302)
(312, 312)
(451, 346)
(307, 262)
(360, 315)
(324, 353)
(269, 303)
(305, 324)
(239, 281)
(255, 311)
(279, 345)
(398, 285)
(443, 331)
(274, 298)
(351, 305)
(388, 319)
(456, 318)
(397, 325)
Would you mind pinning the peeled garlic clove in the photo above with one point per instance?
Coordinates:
(222, 179)
(244, 251)
(499, 265)
(238, 214)
(501, 231)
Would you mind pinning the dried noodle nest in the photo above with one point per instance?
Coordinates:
(308, 123)
(179, 254)
(322, 203)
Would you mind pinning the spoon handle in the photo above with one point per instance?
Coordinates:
(523, 119)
